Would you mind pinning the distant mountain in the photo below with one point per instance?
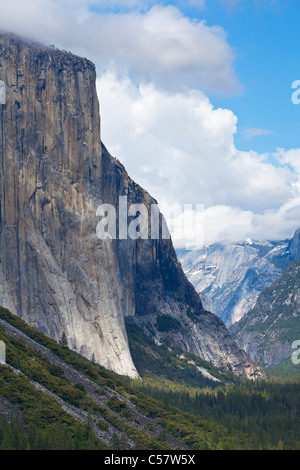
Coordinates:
(229, 278)
(267, 332)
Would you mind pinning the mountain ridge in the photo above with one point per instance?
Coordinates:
(229, 278)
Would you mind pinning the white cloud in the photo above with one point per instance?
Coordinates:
(159, 45)
(251, 132)
(182, 150)
(164, 47)
(291, 158)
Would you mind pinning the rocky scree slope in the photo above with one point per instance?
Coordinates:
(82, 390)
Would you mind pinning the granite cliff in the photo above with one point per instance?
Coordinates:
(55, 272)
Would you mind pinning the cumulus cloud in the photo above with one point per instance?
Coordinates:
(166, 48)
(290, 157)
(181, 149)
(159, 45)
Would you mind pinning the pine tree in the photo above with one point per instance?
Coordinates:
(63, 340)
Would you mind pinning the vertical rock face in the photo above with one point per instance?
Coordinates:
(54, 271)
(294, 246)
(2, 92)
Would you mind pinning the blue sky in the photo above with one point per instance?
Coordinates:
(195, 99)
(266, 40)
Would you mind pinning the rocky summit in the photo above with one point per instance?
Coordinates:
(55, 273)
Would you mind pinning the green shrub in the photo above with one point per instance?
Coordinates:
(103, 425)
(166, 323)
(150, 427)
